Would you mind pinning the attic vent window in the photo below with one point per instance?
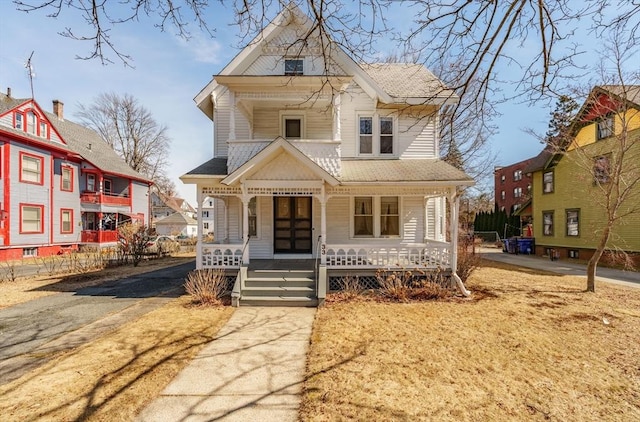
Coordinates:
(293, 67)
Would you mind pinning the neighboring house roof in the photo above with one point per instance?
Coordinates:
(173, 202)
(376, 171)
(93, 148)
(77, 139)
(540, 161)
(177, 218)
(9, 103)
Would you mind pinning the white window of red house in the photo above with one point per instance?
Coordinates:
(66, 221)
(31, 218)
(31, 122)
(91, 182)
(31, 168)
(66, 182)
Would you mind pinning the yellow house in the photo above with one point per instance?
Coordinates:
(575, 185)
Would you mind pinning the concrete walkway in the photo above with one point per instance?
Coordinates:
(252, 371)
(610, 275)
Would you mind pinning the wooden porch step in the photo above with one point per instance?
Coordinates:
(278, 287)
(278, 301)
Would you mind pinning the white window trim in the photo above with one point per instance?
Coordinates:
(375, 142)
(293, 114)
(376, 218)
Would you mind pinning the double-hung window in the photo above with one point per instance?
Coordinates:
(66, 183)
(605, 127)
(31, 218)
(366, 135)
(66, 221)
(573, 222)
(517, 175)
(547, 182)
(386, 135)
(517, 192)
(376, 216)
(253, 217)
(31, 168)
(601, 169)
(547, 223)
(376, 135)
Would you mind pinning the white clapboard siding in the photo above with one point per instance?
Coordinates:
(353, 101)
(413, 223)
(416, 137)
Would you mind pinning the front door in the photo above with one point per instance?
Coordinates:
(292, 224)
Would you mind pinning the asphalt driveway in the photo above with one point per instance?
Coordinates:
(31, 332)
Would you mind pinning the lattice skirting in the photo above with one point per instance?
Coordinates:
(370, 282)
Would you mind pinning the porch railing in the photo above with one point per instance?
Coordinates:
(425, 255)
(99, 236)
(216, 255)
(104, 198)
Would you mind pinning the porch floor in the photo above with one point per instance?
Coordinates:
(282, 264)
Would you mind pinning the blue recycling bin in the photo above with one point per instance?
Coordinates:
(512, 244)
(526, 245)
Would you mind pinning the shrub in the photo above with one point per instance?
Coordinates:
(207, 287)
(405, 286)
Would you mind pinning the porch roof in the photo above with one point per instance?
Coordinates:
(358, 171)
(397, 171)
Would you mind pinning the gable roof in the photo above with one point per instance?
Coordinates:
(177, 218)
(276, 146)
(388, 83)
(409, 82)
(93, 148)
(77, 139)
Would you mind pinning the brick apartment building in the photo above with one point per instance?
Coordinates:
(512, 186)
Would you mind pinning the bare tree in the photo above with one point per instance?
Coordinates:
(611, 165)
(130, 129)
(479, 36)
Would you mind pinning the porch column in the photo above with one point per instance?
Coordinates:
(245, 228)
(323, 229)
(199, 200)
(454, 205)
(337, 135)
(232, 116)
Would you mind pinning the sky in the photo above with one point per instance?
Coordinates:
(168, 72)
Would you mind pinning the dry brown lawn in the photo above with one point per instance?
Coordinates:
(526, 347)
(113, 377)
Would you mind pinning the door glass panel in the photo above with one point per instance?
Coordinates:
(282, 209)
(303, 207)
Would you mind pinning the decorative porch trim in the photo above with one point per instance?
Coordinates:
(221, 255)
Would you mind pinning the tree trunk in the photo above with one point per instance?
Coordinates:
(593, 262)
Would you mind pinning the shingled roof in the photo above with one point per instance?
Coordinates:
(77, 139)
(407, 80)
(373, 171)
(93, 148)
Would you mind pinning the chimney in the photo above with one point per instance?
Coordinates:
(9, 91)
(58, 109)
